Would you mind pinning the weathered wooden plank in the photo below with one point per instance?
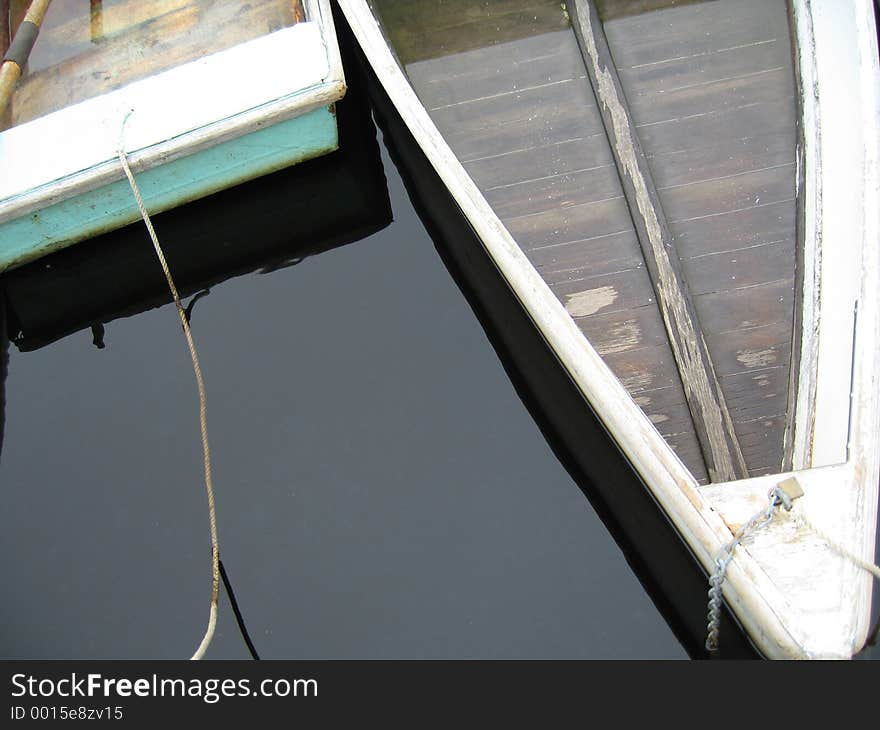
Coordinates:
(661, 78)
(715, 431)
(745, 126)
(654, 368)
(625, 330)
(743, 259)
(495, 136)
(421, 31)
(552, 192)
(618, 291)
(551, 157)
(668, 36)
(724, 312)
(540, 59)
(73, 29)
(716, 95)
(4, 27)
(522, 119)
(762, 439)
(761, 151)
(500, 103)
(732, 228)
(737, 190)
(593, 256)
(748, 267)
(756, 393)
(145, 45)
(751, 349)
(760, 614)
(609, 9)
(667, 409)
(573, 223)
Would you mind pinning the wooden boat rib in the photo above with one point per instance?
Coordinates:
(759, 178)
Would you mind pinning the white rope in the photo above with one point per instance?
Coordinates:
(203, 420)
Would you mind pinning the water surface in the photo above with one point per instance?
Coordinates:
(382, 492)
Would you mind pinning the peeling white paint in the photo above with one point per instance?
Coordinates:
(622, 337)
(585, 303)
(757, 358)
(637, 380)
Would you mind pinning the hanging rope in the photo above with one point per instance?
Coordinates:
(203, 421)
(239, 619)
(782, 495)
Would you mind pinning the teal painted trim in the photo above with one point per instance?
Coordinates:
(167, 186)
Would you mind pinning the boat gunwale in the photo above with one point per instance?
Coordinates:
(753, 597)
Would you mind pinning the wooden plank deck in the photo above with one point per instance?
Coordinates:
(711, 92)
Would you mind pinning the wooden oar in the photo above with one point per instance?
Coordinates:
(4, 26)
(19, 50)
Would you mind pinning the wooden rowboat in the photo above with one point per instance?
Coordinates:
(682, 197)
(265, 224)
(216, 93)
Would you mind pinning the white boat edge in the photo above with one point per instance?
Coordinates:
(794, 595)
(93, 164)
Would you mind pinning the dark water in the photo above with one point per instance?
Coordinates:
(381, 489)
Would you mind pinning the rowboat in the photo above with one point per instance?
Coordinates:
(681, 199)
(200, 94)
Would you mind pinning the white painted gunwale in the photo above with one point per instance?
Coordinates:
(316, 80)
(757, 602)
